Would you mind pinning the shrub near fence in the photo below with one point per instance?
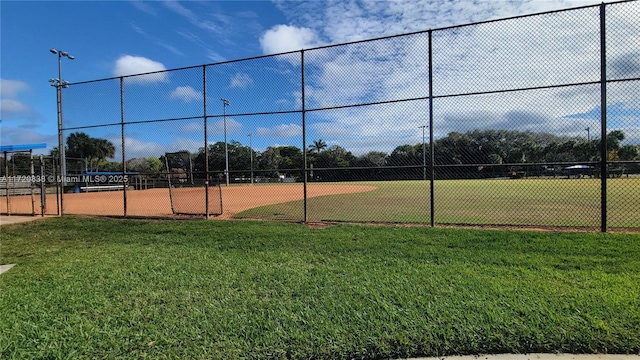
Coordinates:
(518, 99)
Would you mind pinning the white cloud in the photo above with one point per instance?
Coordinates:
(283, 130)
(535, 51)
(193, 127)
(137, 148)
(13, 136)
(284, 38)
(11, 109)
(194, 19)
(217, 127)
(143, 6)
(158, 41)
(11, 88)
(133, 65)
(186, 94)
(12, 106)
(344, 21)
(241, 80)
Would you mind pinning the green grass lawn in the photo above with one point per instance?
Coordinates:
(96, 288)
(532, 202)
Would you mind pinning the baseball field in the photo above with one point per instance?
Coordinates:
(522, 202)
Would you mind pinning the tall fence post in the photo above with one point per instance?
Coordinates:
(124, 162)
(604, 174)
(43, 188)
(61, 149)
(431, 149)
(6, 182)
(304, 137)
(32, 173)
(206, 140)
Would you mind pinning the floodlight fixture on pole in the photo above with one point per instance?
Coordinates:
(424, 154)
(59, 84)
(225, 103)
(251, 154)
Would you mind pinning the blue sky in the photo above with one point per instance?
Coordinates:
(113, 38)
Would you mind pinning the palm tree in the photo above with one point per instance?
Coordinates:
(317, 146)
(102, 149)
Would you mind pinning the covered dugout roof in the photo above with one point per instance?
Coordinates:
(21, 147)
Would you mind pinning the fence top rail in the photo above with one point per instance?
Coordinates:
(358, 41)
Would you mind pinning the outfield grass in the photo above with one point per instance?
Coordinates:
(95, 288)
(531, 202)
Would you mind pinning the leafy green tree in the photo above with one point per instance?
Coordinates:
(270, 160)
(628, 153)
(370, 159)
(151, 165)
(281, 160)
(404, 155)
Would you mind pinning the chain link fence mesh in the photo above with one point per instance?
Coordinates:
(494, 123)
(27, 184)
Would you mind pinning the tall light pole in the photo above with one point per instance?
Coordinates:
(225, 103)
(588, 134)
(424, 154)
(59, 84)
(251, 154)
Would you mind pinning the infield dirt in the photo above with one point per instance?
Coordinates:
(156, 202)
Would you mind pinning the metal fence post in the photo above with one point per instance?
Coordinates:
(304, 137)
(206, 140)
(603, 122)
(431, 149)
(43, 188)
(124, 162)
(6, 182)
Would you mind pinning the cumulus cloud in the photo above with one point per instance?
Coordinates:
(137, 148)
(11, 108)
(8, 106)
(282, 130)
(192, 127)
(284, 38)
(217, 127)
(11, 135)
(186, 94)
(11, 88)
(133, 65)
(241, 80)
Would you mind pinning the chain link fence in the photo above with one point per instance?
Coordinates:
(28, 184)
(526, 121)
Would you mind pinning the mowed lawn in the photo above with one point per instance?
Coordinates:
(108, 288)
(534, 202)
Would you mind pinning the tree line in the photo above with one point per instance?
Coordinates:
(470, 154)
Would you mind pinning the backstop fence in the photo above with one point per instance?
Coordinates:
(526, 121)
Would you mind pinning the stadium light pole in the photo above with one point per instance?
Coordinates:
(424, 154)
(225, 103)
(59, 84)
(588, 134)
(251, 154)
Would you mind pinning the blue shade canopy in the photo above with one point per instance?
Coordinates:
(22, 147)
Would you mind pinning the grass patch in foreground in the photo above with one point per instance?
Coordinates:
(91, 288)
